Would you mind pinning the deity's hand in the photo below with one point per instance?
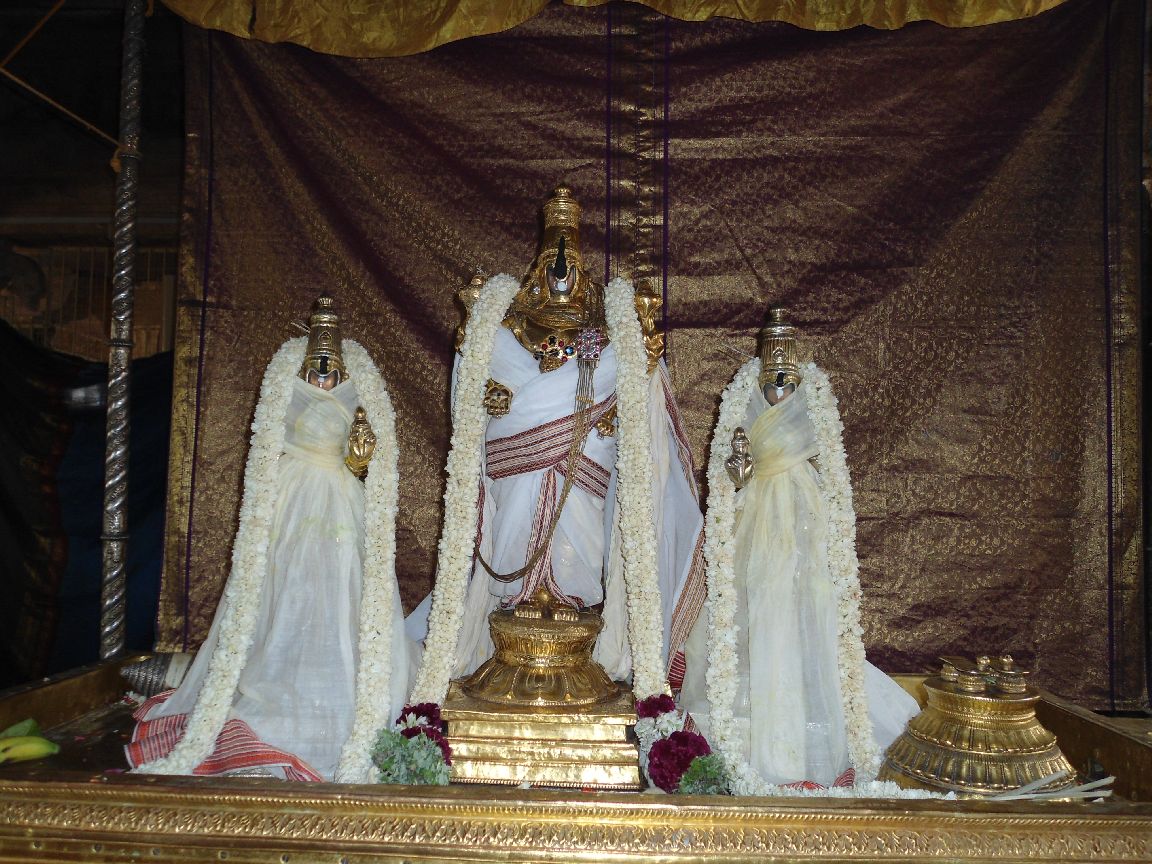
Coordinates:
(361, 444)
(739, 465)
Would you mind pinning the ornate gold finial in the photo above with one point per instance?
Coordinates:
(779, 359)
(322, 358)
(468, 295)
(648, 306)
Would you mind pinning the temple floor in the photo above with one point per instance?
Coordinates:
(82, 805)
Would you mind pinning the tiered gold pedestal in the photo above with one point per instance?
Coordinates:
(541, 710)
(978, 735)
(585, 747)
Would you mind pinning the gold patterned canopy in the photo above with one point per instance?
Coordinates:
(371, 28)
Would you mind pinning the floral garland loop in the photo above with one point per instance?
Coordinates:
(457, 538)
(381, 496)
(634, 490)
(844, 567)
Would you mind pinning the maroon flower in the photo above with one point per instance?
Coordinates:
(654, 706)
(425, 712)
(670, 757)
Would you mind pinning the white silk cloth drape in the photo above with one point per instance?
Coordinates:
(298, 687)
(789, 705)
(585, 556)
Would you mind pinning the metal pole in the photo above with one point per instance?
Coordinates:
(113, 587)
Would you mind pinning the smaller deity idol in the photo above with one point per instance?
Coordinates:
(306, 657)
(792, 699)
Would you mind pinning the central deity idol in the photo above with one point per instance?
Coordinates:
(586, 564)
(549, 514)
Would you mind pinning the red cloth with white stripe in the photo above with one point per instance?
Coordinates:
(237, 750)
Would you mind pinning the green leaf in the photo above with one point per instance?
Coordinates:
(24, 727)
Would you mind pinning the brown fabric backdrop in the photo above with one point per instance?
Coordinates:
(951, 214)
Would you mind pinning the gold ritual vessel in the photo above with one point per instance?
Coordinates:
(541, 710)
(978, 735)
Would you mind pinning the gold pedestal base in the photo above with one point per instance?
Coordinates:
(977, 738)
(586, 747)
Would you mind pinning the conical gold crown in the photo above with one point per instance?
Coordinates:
(779, 357)
(323, 352)
(561, 218)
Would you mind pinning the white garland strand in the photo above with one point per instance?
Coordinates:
(634, 489)
(461, 496)
(381, 495)
(719, 553)
(240, 603)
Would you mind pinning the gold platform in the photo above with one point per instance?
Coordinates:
(541, 710)
(70, 809)
(574, 748)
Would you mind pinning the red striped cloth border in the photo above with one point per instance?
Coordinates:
(237, 750)
(543, 446)
(844, 781)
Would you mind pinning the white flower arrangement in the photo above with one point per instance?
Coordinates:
(634, 489)
(461, 496)
(649, 730)
(240, 603)
(719, 552)
(381, 496)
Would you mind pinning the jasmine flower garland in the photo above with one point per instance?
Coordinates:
(381, 495)
(457, 539)
(634, 491)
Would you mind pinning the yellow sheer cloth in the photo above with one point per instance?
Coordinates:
(371, 28)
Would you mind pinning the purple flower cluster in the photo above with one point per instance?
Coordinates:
(654, 706)
(427, 713)
(427, 720)
(671, 756)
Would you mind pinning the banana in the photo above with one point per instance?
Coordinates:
(22, 748)
(24, 727)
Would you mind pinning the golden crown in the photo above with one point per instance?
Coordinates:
(561, 219)
(323, 353)
(779, 358)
